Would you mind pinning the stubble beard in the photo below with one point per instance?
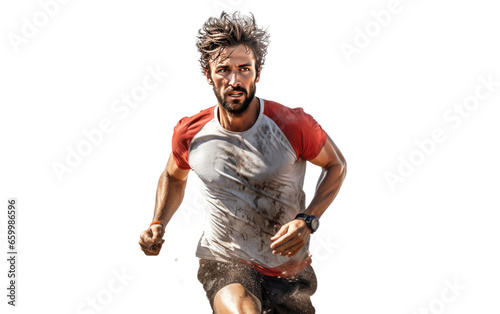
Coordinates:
(233, 107)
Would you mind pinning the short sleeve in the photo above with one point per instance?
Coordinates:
(180, 145)
(313, 136)
(184, 132)
(303, 132)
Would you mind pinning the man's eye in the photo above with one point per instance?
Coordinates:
(221, 70)
(245, 69)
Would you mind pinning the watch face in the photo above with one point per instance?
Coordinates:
(315, 224)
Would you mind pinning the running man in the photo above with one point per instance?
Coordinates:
(250, 154)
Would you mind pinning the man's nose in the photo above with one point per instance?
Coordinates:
(234, 80)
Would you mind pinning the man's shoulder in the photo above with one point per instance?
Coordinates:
(284, 115)
(302, 131)
(185, 131)
(195, 121)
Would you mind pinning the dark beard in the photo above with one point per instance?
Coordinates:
(246, 102)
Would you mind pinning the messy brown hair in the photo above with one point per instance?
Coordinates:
(231, 30)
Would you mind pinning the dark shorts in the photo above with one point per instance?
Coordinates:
(277, 295)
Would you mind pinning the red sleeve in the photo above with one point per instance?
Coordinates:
(303, 132)
(184, 132)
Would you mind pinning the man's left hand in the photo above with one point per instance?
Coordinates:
(291, 238)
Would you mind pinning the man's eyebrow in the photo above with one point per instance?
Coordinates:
(223, 66)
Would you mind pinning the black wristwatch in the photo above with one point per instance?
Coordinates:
(311, 221)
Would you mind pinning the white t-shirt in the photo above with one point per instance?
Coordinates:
(252, 180)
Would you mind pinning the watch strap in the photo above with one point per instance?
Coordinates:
(308, 219)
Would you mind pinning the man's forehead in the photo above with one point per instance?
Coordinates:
(239, 54)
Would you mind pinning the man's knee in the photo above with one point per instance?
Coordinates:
(235, 298)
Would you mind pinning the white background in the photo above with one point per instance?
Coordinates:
(379, 250)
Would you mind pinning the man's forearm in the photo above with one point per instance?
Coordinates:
(169, 196)
(292, 237)
(329, 184)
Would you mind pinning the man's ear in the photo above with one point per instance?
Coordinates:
(257, 77)
(209, 79)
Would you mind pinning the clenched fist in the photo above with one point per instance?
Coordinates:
(152, 239)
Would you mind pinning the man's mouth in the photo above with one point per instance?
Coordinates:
(235, 94)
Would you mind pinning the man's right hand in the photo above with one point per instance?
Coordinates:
(152, 239)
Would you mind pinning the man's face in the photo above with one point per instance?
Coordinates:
(233, 76)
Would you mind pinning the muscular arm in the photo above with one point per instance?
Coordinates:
(170, 191)
(169, 195)
(292, 237)
(334, 170)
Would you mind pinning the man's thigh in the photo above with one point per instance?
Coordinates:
(234, 298)
(215, 275)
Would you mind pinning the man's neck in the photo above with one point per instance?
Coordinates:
(240, 122)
